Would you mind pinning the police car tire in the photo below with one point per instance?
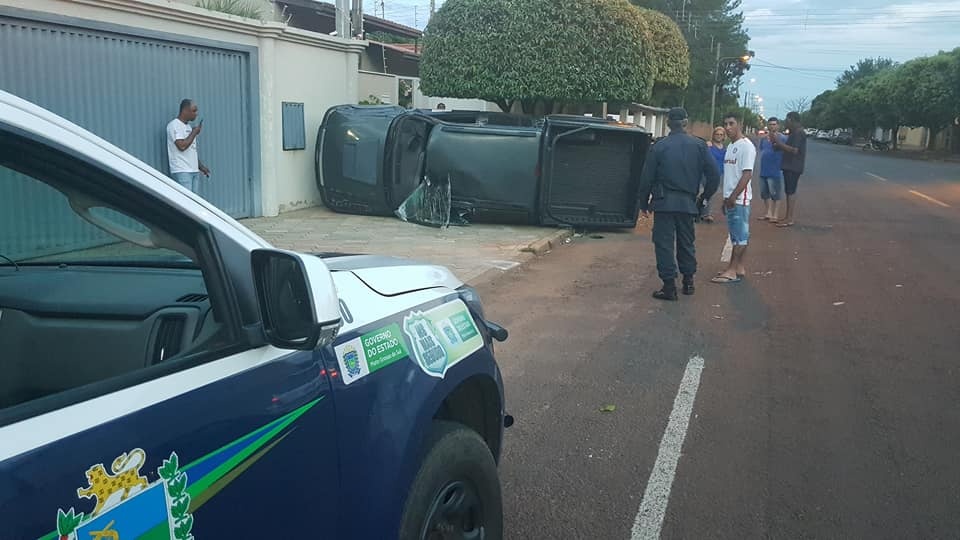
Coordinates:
(456, 452)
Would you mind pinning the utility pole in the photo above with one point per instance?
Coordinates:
(343, 18)
(356, 19)
(433, 7)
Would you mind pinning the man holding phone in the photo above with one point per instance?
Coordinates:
(185, 166)
(771, 177)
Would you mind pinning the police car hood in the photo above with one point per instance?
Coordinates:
(390, 276)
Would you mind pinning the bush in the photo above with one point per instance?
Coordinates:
(670, 56)
(239, 8)
(551, 51)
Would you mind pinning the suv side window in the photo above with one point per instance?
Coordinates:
(100, 287)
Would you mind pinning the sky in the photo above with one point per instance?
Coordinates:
(801, 46)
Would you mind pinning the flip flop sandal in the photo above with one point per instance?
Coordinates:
(790, 224)
(725, 279)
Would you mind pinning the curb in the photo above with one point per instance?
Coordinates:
(549, 243)
(526, 254)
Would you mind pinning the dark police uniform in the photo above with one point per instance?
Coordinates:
(669, 186)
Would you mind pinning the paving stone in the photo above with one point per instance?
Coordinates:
(470, 251)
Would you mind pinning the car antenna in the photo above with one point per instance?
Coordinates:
(13, 262)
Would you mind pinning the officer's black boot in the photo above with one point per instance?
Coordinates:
(668, 292)
(688, 288)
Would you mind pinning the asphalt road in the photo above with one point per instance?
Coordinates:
(828, 405)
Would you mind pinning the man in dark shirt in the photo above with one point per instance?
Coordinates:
(794, 157)
(668, 186)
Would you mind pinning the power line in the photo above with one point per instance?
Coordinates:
(824, 11)
(801, 73)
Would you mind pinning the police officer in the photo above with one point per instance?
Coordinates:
(669, 186)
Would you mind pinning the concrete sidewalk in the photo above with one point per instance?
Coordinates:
(472, 252)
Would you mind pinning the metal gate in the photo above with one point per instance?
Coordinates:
(127, 88)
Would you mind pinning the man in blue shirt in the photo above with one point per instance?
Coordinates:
(669, 185)
(771, 175)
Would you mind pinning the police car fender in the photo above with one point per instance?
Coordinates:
(382, 369)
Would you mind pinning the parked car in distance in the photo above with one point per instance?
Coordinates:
(843, 137)
(810, 132)
(823, 135)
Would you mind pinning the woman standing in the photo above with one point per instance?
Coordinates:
(717, 150)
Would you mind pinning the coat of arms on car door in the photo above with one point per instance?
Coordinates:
(127, 506)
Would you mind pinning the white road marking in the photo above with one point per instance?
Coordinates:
(727, 251)
(503, 265)
(929, 198)
(649, 519)
(917, 193)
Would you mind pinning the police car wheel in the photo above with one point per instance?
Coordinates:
(456, 494)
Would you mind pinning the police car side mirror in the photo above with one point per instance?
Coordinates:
(297, 297)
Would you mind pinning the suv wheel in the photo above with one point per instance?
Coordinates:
(456, 494)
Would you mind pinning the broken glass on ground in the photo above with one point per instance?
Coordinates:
(431, 204)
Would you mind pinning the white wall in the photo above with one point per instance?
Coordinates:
(421, 101)
(319, 78)
(294, 65)
(382, 85)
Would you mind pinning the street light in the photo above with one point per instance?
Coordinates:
(716, 77)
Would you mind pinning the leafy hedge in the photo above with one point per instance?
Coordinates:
(548, 50)
(671, 56)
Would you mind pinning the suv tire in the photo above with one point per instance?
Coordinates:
(456, 494)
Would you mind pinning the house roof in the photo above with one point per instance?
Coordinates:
(402, 48)
(414, 48)
(305, 10)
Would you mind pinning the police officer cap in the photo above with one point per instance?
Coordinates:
(677, 114)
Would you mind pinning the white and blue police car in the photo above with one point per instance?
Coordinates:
(166, 374)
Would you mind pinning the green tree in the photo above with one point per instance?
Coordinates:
(705, 24)
(671, 55)
(850, 108)
(540, 51)
(863, 69)
(887, 111)
(816, 115)
(927, 92)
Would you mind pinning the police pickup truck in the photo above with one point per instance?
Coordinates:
(167, 374)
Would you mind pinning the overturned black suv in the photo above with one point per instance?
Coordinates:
(495, 167)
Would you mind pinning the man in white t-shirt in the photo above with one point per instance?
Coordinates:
(185, 166)
(737, 193)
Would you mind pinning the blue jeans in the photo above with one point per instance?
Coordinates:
(189, 180)
(771, 187)
(738, 223)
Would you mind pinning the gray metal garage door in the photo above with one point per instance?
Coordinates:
(126, 88)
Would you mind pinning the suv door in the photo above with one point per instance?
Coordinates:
(590, 172)
(133, 402)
